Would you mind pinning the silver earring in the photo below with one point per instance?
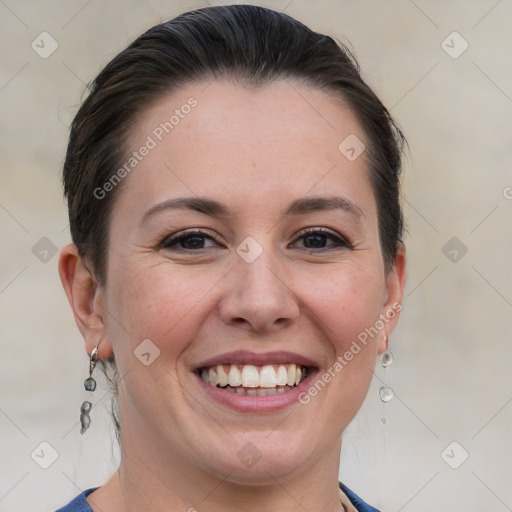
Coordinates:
(386, 393)
(90, 385)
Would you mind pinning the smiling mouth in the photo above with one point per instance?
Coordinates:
(254, 380)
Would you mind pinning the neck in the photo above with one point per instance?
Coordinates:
(154, 479)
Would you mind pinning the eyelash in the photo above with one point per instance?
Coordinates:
(170, 242)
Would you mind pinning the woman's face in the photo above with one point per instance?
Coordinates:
(244, 237)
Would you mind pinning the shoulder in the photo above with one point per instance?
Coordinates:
(78, 504)
(358, 503)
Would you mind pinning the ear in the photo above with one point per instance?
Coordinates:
(395, 283)
(85, 295)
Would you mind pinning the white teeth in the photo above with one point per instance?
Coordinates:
(298, 376)
(250, 376)
(255, 380)
(235, 378)
(291, 375)
(221, 374)
(268, 378)
(240, 390)
(282, 376)
(212, 376)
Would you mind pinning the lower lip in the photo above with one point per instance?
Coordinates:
(246, 403)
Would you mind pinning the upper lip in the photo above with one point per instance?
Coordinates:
(257, 359)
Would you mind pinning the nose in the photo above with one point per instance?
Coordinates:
(258, 297)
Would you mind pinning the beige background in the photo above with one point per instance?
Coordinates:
(452, 347)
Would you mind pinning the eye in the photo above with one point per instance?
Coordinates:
(313, 239)
(189, 240)
(321, 239)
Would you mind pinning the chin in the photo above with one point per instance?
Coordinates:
(261, 458)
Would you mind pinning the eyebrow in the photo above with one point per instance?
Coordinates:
(297, 207)
(313, 204)
(198, 204)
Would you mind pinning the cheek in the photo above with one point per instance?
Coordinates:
(155, 302)
(346, 301)
(346, 304)
(151, 302)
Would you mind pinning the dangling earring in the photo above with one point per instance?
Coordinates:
(386, 393)
(90, 385)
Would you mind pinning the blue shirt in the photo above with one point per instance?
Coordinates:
(79, 504)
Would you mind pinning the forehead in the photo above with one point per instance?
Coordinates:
(230, 140)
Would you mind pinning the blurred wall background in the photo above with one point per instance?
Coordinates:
(443, 68)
